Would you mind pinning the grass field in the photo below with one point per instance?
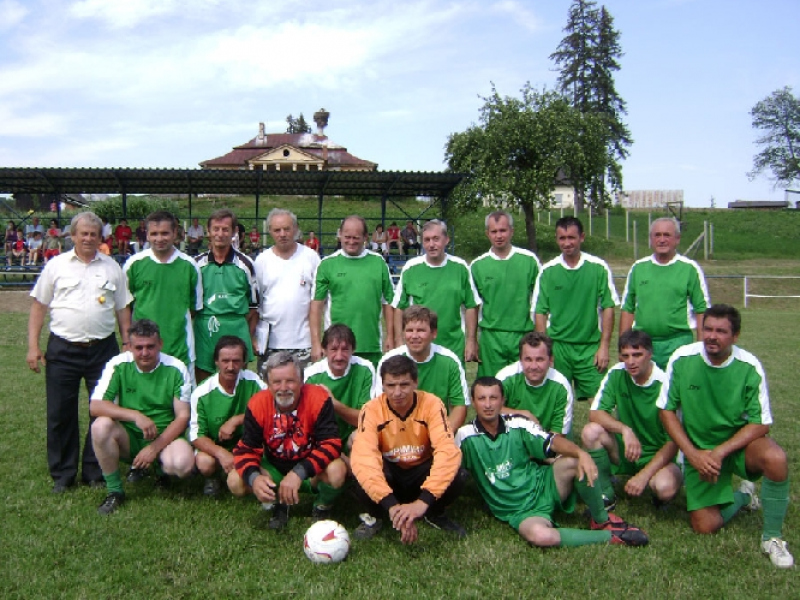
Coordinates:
(178, 544)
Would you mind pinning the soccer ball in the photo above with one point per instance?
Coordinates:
(326, 542)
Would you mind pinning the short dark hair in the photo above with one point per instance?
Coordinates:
(534, 339)
(486, 381)
(418, 312)
(144, 328)
(635, 338)
(725, 311)
(221, 214)
(159, 216)
(230, 341)
(399, 364)
(567, 222)
(339, 332)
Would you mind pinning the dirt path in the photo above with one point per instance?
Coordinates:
(15, 301)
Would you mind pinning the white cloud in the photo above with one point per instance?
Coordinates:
(123, 13)
(11, 14)
(521, 14)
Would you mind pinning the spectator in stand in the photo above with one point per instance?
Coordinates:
(30, 228)
(194, 238)
(123, 235)
(410, 238)
(52, 241)
(312, 242)
(20, 251)
(35, 248)
(12, 235)
(141, 236)
(108, 232)
(393, 234)
(255, 240)
(379, 240)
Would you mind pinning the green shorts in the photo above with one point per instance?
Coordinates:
(277, 476)
(544, 504)
(208, 330)
(497, 350)
(576, 363)
(626, 467)
(663, 349)
(136, 443)
(702, 494)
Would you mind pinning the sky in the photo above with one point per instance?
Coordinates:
(170, 83)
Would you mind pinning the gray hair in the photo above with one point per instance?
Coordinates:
(673, 220)
(280, 359)
(144, 328)
(280, 212)
(496, 216)
(436, 223)
(86, 217)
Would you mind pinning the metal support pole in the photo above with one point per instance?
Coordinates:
(591, 231)
(608, 224)
(124, 204)
(635, 244)
(745, 291)
(705, 240)
(627, 229)
(711, 239)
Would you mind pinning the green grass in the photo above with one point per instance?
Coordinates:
(178, 544)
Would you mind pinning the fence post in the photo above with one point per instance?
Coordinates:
(608, 224)
(627, 221)
(591, 232)
(705, 240)
(711, 239)
(649, 221)
(745, 291)
(562, 209)
(635, 245)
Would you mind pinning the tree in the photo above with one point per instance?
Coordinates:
(588, 57)
(520, 149)
(298, 125)
(778, 116)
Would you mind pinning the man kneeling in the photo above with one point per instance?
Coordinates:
(293, 428)
(498, 449)
(141, 405)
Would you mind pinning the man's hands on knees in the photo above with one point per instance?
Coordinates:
(403, 517)
(707, 463)
(636, 484)
(289, 489)
(264, 489)
(148, 427)
(145, 458)
(633, 448)
(586, 468)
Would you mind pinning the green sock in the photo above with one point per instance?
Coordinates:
(739, 500)
(570, 538)
(603, 462)
(327, 494)
(593, 498)
(775, 501)
(114, 482)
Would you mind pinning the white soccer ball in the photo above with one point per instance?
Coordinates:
(326, 542)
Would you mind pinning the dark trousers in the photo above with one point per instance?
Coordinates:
(68, 364)
(407, 484)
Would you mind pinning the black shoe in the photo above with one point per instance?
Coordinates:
(112, 502)
(444, 523)
(61, 486)
(212, 487)
(320, 512)
(280, 517)
(163, 482)
(136, 475)
(368, 528)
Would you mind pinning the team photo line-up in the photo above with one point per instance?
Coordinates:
(360, 382)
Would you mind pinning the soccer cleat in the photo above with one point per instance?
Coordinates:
(778, 553)
(163, 482)
(320, 512)
(212, 487)
(748, 487)
(280, 517)
(136, 475)
(621, 531)
(368, 527)
(609, 503)
(112, 502)
(445, 523)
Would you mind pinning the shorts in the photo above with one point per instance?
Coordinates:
(136, 443)
(497, 350)
(663, 349)
(576, 363)
(702, 494)
(544, 504)
(208, 330)
(626, 467)
(277, 476)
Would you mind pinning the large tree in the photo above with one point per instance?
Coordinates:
(298, 125)
(588, 58)
(778, 116)
(520, 149)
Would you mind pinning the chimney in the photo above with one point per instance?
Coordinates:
(321, 119)
(261, 138)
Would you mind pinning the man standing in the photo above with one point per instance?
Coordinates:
(571, 290)
(509, 458)
(439, 371)
(141, 410)
(230, 294)
(504, 277)
(357, 286)
(442, 283)
(624, 428)
(285, 277)
(404, 459)
(665, 294)
(87, 297)
(349, 378)
(720, 391)
(290, 444)
(194, 238)
(533, 388)
(166, 287)
(218, 406)
(32, 228)
(410, 238)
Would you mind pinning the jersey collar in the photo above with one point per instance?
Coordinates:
(564, 264)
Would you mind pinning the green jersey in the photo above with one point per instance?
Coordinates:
(444, 289)
(573, 298)
(229, 288)
(551, 402)
(441, 374)
(634, 405)
(715, 402)
(152, 393)
(356, 288)
(509, 481)
(353, 389)
(665, 298)
(212, 406)
(167, 293)
(505, 288)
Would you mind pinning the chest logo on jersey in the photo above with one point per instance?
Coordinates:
(558, 287)
(501, 471)
(694, 388)
(644, 282)
(130, 390)
(341, 274)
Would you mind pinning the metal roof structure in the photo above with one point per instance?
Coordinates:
(378, 184)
